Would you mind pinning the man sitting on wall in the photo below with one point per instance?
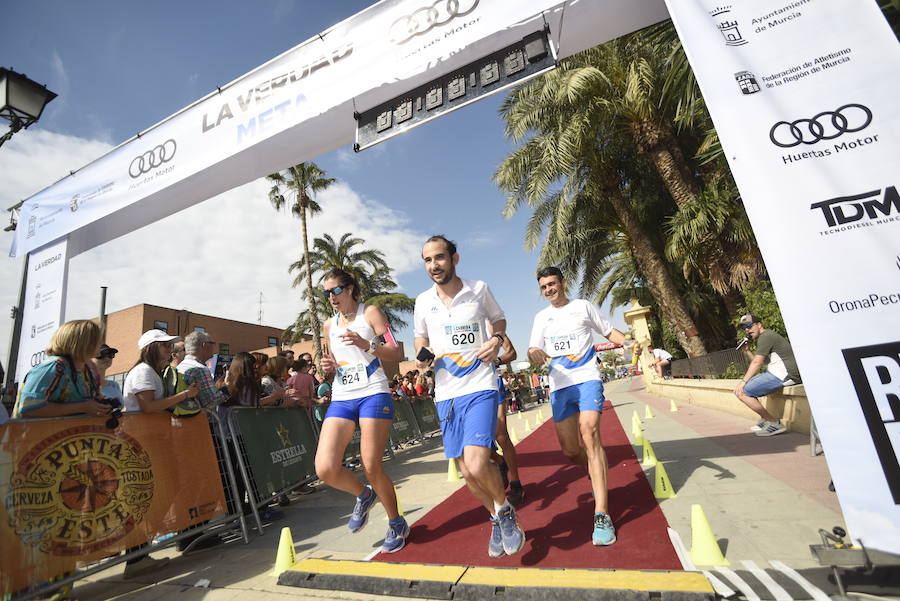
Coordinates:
(781, 371)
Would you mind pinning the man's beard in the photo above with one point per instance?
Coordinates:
(448, 275)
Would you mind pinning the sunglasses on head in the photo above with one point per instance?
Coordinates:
(333, 291)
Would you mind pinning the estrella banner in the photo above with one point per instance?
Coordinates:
(74, 490)
(402, 428)
(280, 446)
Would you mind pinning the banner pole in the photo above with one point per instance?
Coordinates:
(12, 359)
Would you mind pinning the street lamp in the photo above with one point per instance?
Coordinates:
(21, 101)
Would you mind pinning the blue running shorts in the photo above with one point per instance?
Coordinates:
(378, 406)
(587, 396)
(468, 420)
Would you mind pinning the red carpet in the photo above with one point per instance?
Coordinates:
(557, 514)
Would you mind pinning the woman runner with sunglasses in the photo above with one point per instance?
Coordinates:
(359, 396)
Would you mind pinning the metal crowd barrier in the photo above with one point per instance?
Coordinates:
(215, 526)
(711, 365)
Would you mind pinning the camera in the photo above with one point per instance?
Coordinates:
(113, 422)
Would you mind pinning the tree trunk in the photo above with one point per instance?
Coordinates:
(313, 309)
(660, 282)
(660, 144)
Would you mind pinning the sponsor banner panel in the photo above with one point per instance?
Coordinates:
(803, 95)
(44, 305)
(403, 428)
(280, 446)
(74, 490)
(427, 414)
(303, 101)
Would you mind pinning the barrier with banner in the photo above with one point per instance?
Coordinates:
(280, 446)
(426, 413)
(75, 491)
(404, 427)
(803, 95)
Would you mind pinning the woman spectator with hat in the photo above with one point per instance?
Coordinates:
(144, 389)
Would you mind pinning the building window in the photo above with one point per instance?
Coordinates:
(199, 329)
(161, 325)
(224, 349)
(273, 341)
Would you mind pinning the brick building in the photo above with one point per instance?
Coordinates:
(123, 328)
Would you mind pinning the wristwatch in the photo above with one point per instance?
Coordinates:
(501, 337)
(372, 346)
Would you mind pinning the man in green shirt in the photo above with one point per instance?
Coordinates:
(781, 371)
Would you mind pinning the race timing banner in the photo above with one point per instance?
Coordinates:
(803, 94)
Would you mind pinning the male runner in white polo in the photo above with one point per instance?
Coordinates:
(450, 321)
(562, 335)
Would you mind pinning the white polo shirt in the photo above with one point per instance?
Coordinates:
(564, 333)
(455, 334)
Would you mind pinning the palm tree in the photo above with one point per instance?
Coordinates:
(376, 285)
(302, 181)
(573, 144)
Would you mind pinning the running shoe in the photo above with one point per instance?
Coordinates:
(758, 425)
(772, 428)
(511, 534)
(495, 545)
(396, 535)
(516, 494)
(364, 503)
(604, 531)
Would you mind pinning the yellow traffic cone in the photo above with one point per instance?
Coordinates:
(672, 406)
(286, 556)
(649, 455)
(452, 471)
(635, 418)
(527, 426)
(399, 506)
(541, 414)
(705, 549)
(513, 436)
(662, 487)
(647, 413)
(638, 435)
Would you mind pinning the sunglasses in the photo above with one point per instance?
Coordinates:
(747, 327)
(333, 291)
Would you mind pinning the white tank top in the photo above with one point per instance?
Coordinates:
(359, 373)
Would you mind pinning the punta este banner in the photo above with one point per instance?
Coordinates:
(803, 95)
(73, 490)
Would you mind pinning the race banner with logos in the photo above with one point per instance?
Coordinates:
(280, 446)
(803, 94)
(44, 306)
(74, 490)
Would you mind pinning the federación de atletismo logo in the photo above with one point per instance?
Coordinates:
(79, 490)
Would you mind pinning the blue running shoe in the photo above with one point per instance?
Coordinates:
(495, 545)
(511, 535)
(396, 535)
(364, 503)
(604, 531)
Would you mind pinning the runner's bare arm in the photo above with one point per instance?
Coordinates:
(390, 350)
(617, 337)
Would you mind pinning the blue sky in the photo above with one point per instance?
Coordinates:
(120, 67)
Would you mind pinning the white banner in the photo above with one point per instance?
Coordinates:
(44, 305)
(804, 94)
(300, 105)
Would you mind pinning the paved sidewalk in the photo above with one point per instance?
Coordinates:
(765, 498)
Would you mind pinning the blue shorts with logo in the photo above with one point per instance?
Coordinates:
(468, 420)
(587, 396)
(377, 406)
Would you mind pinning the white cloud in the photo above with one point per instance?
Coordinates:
(213, 258)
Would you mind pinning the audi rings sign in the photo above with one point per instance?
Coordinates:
(152, 159)
(804, 98)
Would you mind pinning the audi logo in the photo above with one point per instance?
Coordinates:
(847, 119)
(152, 158)
(38, 357)
(424, 19)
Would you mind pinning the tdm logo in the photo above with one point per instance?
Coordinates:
(860, 210)
(875, 372)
